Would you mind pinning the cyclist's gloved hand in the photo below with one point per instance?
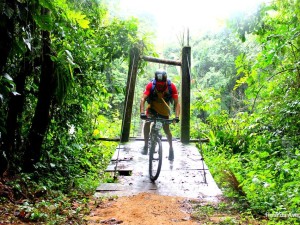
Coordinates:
(143, 116)
(176, 120)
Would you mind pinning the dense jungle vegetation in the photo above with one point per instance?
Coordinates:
(64, 68)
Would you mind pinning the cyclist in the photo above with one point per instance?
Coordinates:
(159, 93)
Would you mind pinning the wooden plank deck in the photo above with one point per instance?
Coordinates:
(183, 177)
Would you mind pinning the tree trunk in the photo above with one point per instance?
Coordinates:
(15, 110)
(41, 117)
(6, 37)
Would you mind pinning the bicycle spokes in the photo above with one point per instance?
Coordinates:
(155, 160)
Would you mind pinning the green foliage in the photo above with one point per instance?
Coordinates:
(7, 86)
(245, 100)
(214, 56)
(90, 55)
(265, 172)
(254, 152)
(225, 212)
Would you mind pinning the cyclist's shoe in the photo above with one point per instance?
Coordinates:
(145, 150)
(171, 154)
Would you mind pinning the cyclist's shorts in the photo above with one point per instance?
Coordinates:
(150, 112)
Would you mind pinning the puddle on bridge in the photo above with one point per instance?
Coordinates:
(183, 177)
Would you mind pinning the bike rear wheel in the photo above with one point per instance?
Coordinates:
(155, 159)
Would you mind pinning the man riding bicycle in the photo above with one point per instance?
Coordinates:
(159, 93)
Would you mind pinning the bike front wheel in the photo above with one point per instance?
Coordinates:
(155, 159)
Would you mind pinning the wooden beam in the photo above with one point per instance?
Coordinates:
(131, 79)
(203, 140)
(185, 94)
(163, 61)
(107, 139)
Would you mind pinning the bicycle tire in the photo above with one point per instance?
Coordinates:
(155, 159)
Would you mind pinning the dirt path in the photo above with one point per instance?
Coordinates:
(154, 209)
(167, 201)
(142, 209)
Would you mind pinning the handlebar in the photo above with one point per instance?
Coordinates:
(164, 121)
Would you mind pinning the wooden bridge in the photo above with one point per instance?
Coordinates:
(186, 176)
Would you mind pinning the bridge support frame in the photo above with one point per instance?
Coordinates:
(185, 94)
(185, 64)
(130, 87)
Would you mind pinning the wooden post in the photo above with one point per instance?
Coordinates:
(163, 61)
(131, 80)
(185, 94)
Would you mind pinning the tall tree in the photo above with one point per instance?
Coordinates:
(7, 26)
(45, 96)
(6, 30)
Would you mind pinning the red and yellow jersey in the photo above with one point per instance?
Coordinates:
(161, 99)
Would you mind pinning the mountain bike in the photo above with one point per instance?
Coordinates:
(155, 146)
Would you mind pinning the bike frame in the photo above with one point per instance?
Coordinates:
(155, 146)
